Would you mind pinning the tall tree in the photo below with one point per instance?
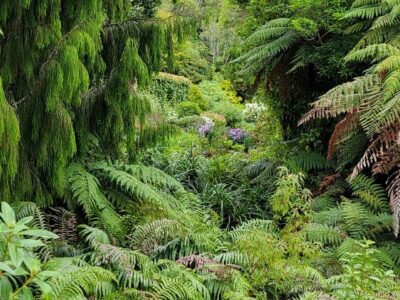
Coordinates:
(73, 71)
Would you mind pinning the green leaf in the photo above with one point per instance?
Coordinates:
(6, 268)
(44, 287)
(40, 233)
(32, 264)
(27, 293)
(25, 220)
(7, 214)
(30, 243)
(13, 254)
(5, 288)
(4, 228)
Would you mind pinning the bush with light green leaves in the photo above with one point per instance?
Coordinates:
(19, 267)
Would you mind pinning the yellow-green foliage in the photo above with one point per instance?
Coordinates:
(227, 86)
(9, 141)
(196, 96)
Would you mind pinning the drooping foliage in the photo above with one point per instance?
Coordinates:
(136, 162)
(72, 70)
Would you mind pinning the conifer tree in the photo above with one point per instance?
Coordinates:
(73, 72)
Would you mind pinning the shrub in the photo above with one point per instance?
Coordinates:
(237, 135)
(212, 91)
(170, 88)
(253, 111)
(196, 96)
(190, 122)
(207, 127)
(187, 108)
(227, 86)
(231, 112)
(191, 61)
(218, 119)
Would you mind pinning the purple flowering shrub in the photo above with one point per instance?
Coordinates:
(237, 134)
(207, 127)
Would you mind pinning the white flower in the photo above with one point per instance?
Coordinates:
(252, 111)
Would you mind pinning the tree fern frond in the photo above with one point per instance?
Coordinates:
(151, 175)
(351, 149)
(386, 139)
(75, 282)
(348, 124)
(233, 258)
(394, 196)
(268, 31)
(347, 97)
(366, 12)
(374, 52)
(128, 183)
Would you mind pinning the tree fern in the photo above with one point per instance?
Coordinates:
(268, 42)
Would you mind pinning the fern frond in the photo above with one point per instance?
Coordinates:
(26, 209)
(93, 235)
(349, 97)
(128, 183)
(374, 52)
(369, 192)
(149, 236)
(73, 282)
(348, 124)
(233, 258)
(86, 191)
(324, 234)
(323, 203)
(356, 219)
(309, 160)
(271, 30)
(151, 175)
(386, 139)
(394, 196)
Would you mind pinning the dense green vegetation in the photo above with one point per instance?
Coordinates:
(186, 149)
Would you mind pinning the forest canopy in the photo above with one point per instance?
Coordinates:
(199, 149)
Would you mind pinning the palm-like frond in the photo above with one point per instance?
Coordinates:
(268, 42)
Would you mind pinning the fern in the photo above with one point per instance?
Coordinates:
(85, 189)
(74, 282)
(93, 235)
(307, 161)
(369, 192)
(324, 234)
(150, 235)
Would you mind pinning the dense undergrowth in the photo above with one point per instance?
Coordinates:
(161, 149)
